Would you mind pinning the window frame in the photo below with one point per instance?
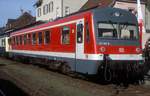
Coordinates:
(28, 38)
(20, 40)
(40, 38)
(25, 39)
(39, 12)
(34, 39)
(62, 35)
(49, 36)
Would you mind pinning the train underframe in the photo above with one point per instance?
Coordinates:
(118, 72)
(122, 72)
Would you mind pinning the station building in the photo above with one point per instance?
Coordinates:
(49, 10)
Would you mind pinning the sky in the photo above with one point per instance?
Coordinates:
(11, 9)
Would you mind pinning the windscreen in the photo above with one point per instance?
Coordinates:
(117, 31)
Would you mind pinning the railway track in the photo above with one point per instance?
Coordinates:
(55, 84)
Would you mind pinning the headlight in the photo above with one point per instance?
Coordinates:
(138, 50)
(102, 49)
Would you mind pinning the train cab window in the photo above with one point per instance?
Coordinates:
(40, 38)
(79, 33)
(47, 37)
(65, 35)
(107, 33)
(87, 32)
(128, 32)
(25, 39)
(28, 38)
(33, 38)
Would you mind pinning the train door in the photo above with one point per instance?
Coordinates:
(79, 43)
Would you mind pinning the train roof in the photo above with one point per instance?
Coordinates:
(114, 15)
(107, 10)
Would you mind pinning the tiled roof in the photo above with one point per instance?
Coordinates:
(96, 3)
(25, 19)
(104, 3)
(142, 1)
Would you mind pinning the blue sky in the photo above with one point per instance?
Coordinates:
(11, 9)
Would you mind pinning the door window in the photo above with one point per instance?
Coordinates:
(79, 33)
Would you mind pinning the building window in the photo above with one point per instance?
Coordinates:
(67, 10)
(65, 35)
(51, 6)
(40, 38)
(45, 9)
(47, 37)
(33, 38)
(57, 12)
(25, 39)
(39, 12)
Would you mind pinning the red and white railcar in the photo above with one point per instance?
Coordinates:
(86, 41)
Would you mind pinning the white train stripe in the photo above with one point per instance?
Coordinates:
(61, 54)
(44, 53)
(45, 28)
(126, 57)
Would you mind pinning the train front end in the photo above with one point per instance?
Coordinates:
(118, 40)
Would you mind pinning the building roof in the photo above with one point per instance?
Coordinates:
(23, 20)
(96, 3)
(11, 20)
(132, 1)
(105, 3)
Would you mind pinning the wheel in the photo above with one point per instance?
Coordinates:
(65, 68)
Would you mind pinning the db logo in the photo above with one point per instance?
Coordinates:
(121, 50)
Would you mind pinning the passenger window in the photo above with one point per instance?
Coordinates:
(47, 37)
(40, 37)
(79, 33)
(87, 32)
(28, 38)
(14, 41)
(33, 38)
(25, 39)
(20, 39)
(65, 35)
(17, 40)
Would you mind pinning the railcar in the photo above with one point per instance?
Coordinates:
(4, 45)
(103, 41)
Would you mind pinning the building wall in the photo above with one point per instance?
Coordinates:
(147, 21)
(128, 6)
(51, 15)
(72, 6)
(59, 9)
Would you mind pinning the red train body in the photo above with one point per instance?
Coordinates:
(84, 41)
